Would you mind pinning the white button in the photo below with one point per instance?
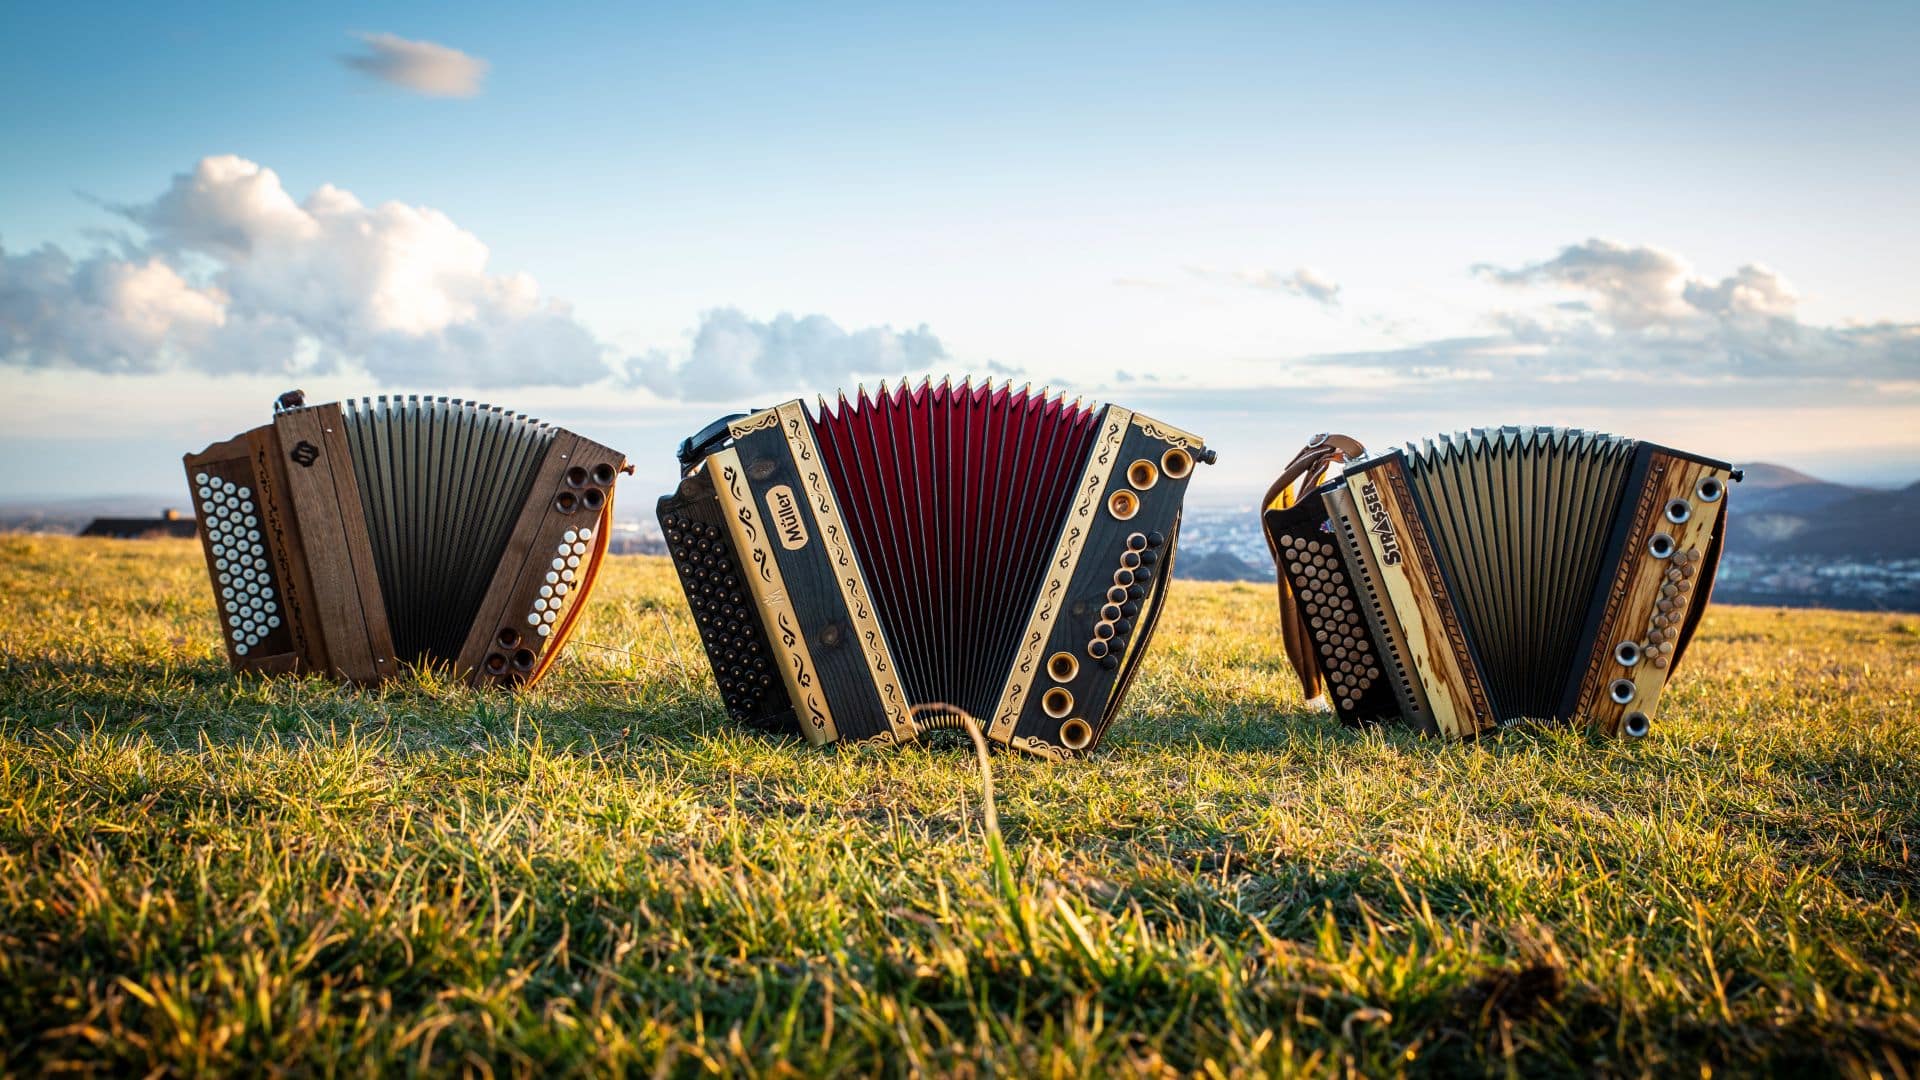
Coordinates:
(573, 561)
(572, 536)
(246, 506)
(252, 522)
(270, 607)
(559, 564)
(272, 620)
(549, 616)
(540, 605)
(579, 549)
(562, 550)
(219, 563)
(266, 592)
(586, 534)
(533, 618)
(199, 478)
(566, 575)
(227, 592)
(552, 577)
(546, 590)
(233, 605)
(246, 492)
(544, 629)
(560, 589)
(240, 649)
(233, 620)
(257, 549)
(205, 491)
(260, 564)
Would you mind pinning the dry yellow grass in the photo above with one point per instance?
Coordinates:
(200, 873)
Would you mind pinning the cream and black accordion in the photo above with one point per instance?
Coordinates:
(1495, 575)
(354, 539)
(862, 571)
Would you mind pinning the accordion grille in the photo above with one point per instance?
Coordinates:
(442, 484)
(954, 496)
(1520, 519)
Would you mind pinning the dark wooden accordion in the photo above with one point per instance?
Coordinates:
(355, 539)
(863, 571)
(1495, 575)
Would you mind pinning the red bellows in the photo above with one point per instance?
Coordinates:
(954, 497)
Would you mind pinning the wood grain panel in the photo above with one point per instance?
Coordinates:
(554, 506)
(326, 502)
(1435, 641)
(1649, 597)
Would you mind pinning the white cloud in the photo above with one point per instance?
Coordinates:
(1305, 282)
(420, 66)
(1639, 315)
(734, 357)
(235, 275)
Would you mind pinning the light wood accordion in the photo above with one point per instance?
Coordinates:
(862, 571)
(355, 539)
(1495, 575)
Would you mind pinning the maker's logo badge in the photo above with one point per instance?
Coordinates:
(787, 523)
(305, 454)
(1382, 524)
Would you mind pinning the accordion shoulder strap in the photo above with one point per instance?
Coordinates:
(1307, 470)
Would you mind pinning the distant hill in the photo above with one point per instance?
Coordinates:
(1216, 565)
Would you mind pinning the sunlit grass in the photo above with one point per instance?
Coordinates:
(205, 873)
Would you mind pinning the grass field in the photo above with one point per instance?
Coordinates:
(200, 873)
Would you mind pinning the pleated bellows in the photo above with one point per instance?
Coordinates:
(954, 496)
(1521, 518)
(442, 483)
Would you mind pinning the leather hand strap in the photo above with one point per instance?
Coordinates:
(1306, 471)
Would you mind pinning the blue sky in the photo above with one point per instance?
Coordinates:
(1088, 196)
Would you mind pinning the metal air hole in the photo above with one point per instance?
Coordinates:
(508, 637)
(1661, 546)
(1623, 691)
(603, 474)
(1679, 510)
(1176, 463)
(1063, 666)
(1057, 703)
(566, 502)
(593, 498)
(1627, 653)
(523, 660)
(577, 477)
(1636, 725)
(1076, 734)
(1123, 504)
(1141, 474)
(496, 664)
(1709, 489)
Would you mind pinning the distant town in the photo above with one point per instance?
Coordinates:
(1793, 540)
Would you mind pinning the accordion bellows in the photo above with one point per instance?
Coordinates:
(861, 570)
(1495, 575)
(354, 540)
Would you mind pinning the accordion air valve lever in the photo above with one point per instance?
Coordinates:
(992, 550)
(355, 540)
(1491, 576)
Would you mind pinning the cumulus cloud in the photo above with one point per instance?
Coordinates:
(234, 274)
(1305, 282)
(420, 66)
(1606, 311)
(736, 357)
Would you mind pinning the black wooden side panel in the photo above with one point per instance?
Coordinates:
(1145, 540)
(802, 558)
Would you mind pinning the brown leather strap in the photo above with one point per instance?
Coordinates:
(1306, 471)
